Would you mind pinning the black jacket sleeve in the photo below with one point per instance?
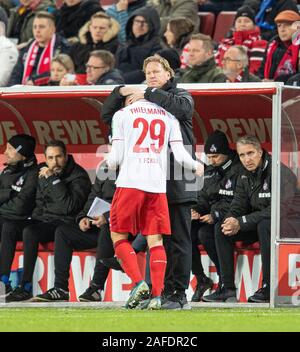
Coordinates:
(17, 72)
(112, 104)
(179, 104)
(20, 203)
(69, 197)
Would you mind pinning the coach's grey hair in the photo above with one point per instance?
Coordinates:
(249, 139)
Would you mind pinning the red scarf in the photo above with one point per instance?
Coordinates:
(288, 63)
(44, 62)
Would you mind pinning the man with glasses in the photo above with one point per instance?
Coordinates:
(235, 64)
(99, 70)
(202, 67)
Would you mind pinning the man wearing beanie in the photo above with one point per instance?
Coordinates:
(18, 183)
(281, 57)
(246, 34)
(213, 203)
(62, 189)
(249, 217)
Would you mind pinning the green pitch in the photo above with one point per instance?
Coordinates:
(70, 319)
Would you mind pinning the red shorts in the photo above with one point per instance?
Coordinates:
(137, 211)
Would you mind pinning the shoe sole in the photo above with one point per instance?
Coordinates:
(258, 301)
(38, 299)
(87, 300)
(20, 301)
(228, 300)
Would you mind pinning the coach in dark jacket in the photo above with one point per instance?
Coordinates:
(249, 217)
(63, 188)
(87, 233)
(142, 41)
(214, 200)
(180, 192)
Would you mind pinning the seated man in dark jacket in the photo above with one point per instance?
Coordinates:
(249, 218)
(18, 183)
(86, 233)
(63, 187)
(214, 200)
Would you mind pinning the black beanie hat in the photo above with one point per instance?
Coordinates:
(245, 11)
(217, 143)
(24, 144)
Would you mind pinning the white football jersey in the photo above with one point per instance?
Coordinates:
(145, 129)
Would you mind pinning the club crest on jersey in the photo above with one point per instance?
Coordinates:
(20, 181)
(228, 184)
(265, 186)
(213, 149)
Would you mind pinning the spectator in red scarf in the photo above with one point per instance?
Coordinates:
(36, 56)
(247, 34)
(281, 56)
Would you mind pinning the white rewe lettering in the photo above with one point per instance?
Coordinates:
(76, 130)
(261, 128)
(82, 276)
(7, 130)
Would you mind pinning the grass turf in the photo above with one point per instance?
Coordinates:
(68, 319)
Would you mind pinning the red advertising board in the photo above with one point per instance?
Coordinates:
(289, 270)
(75, 117)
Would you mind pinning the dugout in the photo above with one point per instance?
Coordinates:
(267, 110)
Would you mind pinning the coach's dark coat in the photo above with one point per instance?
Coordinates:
(252, 198)
(178, 102)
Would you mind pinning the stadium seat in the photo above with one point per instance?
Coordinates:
(223, 24)
(207, 22)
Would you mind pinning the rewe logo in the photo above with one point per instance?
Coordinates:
(294, 270)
